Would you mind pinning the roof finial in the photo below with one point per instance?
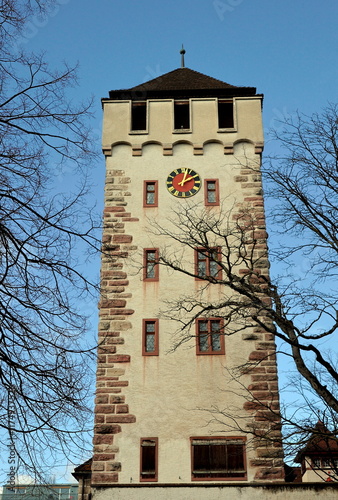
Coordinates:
(182, 52)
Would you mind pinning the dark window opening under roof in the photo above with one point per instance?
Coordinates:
(225, 114)
(181, 115)
(139, 116)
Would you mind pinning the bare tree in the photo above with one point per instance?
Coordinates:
(296, 303)
(44, 358)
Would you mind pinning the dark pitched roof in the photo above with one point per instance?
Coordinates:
(183, 78)
(181, 83)
(83, 469)
(321, 442)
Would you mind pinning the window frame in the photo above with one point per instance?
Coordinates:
(207, 191)
(208, 260)
(181, 102)
(233, 128)
(230, 440)
(145, 322)
(142, 472)
(145, 192)
(326, 463)
(147, 261)
(210, 350)
(134, 105)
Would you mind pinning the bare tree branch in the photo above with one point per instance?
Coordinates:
(45, 361)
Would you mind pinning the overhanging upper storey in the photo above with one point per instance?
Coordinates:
(183, 106)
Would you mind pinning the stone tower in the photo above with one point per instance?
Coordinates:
(180, 142)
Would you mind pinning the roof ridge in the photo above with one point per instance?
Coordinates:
(166, 75)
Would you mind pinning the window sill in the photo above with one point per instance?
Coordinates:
(210, 353)
(182, 131)
(226, 130)
(243, 478)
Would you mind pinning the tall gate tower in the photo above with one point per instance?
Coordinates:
(182, 141)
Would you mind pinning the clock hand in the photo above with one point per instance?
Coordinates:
(184, 179)
(189, 178)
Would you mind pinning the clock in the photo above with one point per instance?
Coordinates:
(183, 182)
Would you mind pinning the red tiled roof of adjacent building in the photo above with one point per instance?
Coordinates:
(322, 442)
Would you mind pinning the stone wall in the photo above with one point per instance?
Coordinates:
(310, 491)
(111, 408)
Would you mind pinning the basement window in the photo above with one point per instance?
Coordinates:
(218, 459)
(226, 114)
(148, 459)
(181, 115)
(139, 116)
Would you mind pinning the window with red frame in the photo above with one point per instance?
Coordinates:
(148, 467)
(150, 194)
(150, 264)
(150, 337)
(211, 192)
(218, 458)
(210, 336)
(207, 263)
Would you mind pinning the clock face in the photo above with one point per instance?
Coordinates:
(183, 182)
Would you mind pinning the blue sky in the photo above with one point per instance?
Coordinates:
(287, 49)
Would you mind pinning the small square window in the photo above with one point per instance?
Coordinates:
(207, 263)
(150, 264)
(211, 192)
(150, 194)
(218, 459)
(209, 336)
(226, 114)
(150, 337)
(148, 467)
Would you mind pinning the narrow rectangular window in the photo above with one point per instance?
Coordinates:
(211, 192)
(139, 116)
(150, 337)
(148, 468)
(225, 114)
(150, 194)
(150, 264)
(218, 458)
(209, 336)
(181, 115)
(207, 263)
